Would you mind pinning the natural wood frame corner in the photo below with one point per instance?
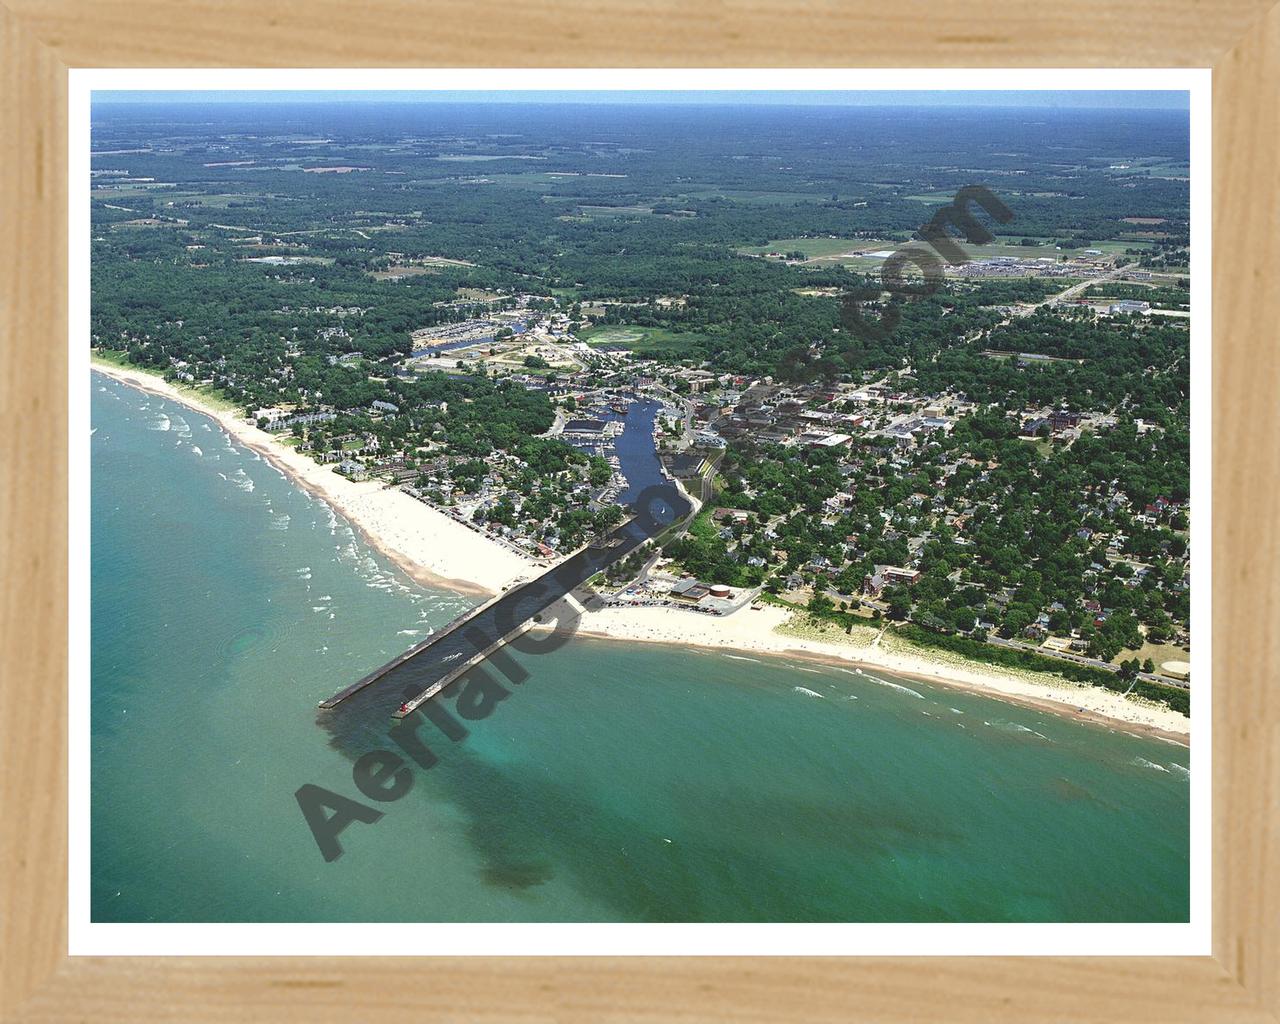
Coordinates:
(41, 39)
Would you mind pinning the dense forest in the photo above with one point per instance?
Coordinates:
(654, 204)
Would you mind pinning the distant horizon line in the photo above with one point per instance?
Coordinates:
(1173, 100)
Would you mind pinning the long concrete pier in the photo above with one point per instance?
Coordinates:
(432, 664)
(413, 652)
(412, 705)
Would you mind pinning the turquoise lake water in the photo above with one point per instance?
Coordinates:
(618, 783)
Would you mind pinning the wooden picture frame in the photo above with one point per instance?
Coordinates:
(42, 39)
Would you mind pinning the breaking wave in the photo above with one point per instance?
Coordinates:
(895, 686)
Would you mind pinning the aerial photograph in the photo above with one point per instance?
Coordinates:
(640, 506)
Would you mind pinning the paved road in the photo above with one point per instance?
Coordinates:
(1082, 660)
(708, 480)
(1077, 289)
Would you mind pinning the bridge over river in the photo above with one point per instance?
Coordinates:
(431, 665)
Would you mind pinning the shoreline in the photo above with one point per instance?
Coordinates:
(434, 550)
(758, 632)
(429, 546)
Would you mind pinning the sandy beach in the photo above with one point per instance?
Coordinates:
(430, 546)
(436, 550)
(769, 629)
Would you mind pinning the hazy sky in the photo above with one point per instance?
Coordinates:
(1115, 99)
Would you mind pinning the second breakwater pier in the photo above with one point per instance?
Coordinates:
(432, 664)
